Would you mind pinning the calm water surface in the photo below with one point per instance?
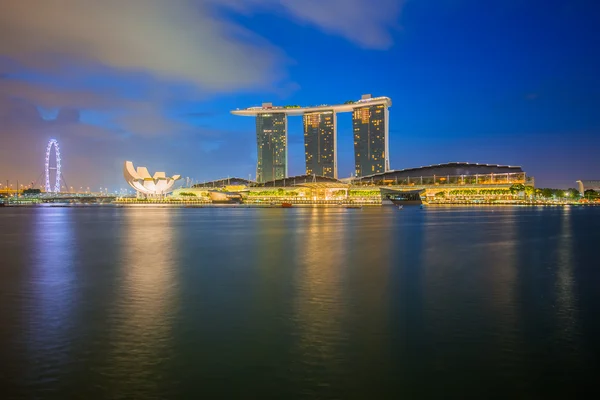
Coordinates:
(104, 302)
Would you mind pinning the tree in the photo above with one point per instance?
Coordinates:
(517, 188)
(591, 194)
(529, 191)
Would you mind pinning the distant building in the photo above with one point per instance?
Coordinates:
(221, 183)
(370, 125)
(450, 174)
(588, 185)
(295, 180)
(271, 138)
(459, 181)
(320, 143)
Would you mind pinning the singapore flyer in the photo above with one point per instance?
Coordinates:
(56, 167)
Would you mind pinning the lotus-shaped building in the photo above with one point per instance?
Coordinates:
(151, 186)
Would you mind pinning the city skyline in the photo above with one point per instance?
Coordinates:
(512, 83)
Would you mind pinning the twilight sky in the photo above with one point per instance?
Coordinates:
(152, 81)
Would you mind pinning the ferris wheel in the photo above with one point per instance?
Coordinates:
(56, 167)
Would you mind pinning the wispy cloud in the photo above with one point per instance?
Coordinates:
(368, 23)
(176, 39)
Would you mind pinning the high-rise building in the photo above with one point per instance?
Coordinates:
(370, 125)
(320, 143)
(271, 138)
(370, 120)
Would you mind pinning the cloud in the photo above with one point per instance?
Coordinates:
(365, 22)
(177, 39)
(125, 116)
(93, 154)
(100, 74)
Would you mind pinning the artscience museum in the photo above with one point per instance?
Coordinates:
(157, 185)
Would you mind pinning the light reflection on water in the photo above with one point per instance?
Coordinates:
(52, 296)
(145, 301)
(566, 301)
(319, 300)
(236, 303)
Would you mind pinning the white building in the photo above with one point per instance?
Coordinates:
(145, 185)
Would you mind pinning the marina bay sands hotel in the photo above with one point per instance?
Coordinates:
(370, 120)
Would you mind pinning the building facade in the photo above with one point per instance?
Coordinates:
(456, 173)
(320, 148)
(146, 185)
(370, 126)
(271, 138)
(584, 185)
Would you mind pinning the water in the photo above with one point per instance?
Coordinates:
(104, 302)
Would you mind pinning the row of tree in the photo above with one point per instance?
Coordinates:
(475, 192)
(364, 193)
(528, 191)
(549, 193)
(268, 193)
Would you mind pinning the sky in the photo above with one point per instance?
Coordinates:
(510, 82)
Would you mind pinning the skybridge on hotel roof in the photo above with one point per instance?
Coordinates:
(348, 106)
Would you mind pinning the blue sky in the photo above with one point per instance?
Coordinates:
(509, 82)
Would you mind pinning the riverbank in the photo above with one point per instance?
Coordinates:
(166, 204)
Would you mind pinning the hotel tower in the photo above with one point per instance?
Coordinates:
(370, 120)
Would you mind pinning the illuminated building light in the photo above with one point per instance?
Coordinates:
(145, 184)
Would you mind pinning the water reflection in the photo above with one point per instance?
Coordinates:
(370, 262)
(53, 295)
(470, 282)
(341, 330)
(319, 300)
(566, 302)
(499, 289)
(252, 303)
(146, 301)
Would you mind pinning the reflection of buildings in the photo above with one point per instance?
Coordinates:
(320, 144)
(320, 304)
(271, 138)
(54, 291)
(320, 137)
(370, 125)
(145, 299)
(567, 311)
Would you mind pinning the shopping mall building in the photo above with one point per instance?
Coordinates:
(452, 180)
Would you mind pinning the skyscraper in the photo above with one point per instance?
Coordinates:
(370, 120)
(370, 125)
(271, 138)
(320, 143)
